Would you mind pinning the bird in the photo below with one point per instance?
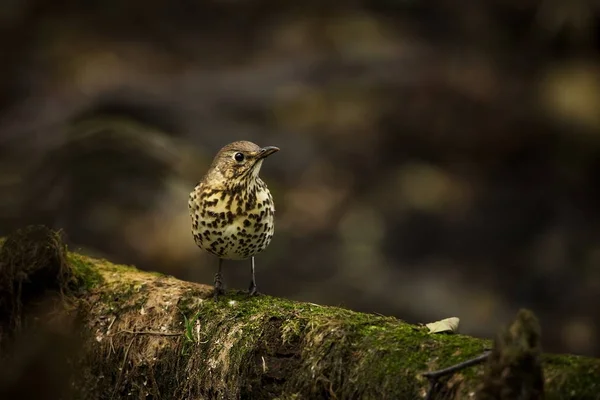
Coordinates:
(232, 210)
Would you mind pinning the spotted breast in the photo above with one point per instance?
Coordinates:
(234, 223)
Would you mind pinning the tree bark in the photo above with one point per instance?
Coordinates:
(147, 335)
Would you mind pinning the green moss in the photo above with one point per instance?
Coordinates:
(291, 330)
(229, 348)
(225, 340)
(453, 349)
(85, 272)
(119, 268)
(158, 274)
(582, 382)
(125, 296)
(338, 351)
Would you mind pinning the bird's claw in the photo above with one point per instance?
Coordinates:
(218, 287)
(253, 291)
(218, 292)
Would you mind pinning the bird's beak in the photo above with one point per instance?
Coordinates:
(267, 151)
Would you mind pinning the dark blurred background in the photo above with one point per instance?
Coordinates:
(438, 159)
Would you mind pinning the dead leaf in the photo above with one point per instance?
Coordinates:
(448, 325)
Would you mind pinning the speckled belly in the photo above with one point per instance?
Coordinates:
(230, 229)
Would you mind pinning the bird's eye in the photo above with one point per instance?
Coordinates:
(239, 157)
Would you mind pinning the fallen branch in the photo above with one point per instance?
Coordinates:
(181, 344)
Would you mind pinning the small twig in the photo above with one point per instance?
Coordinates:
(111, 324)
(112, 347)
(264, 365)
(122, 369)
(150, 333)
(434, 376)
(465, 364)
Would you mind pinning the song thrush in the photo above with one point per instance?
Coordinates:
(231, 208)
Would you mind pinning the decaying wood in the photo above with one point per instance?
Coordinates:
(144, 335)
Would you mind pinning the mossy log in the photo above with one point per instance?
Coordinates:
(146, 335)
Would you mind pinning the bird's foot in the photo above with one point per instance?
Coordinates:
(218, 292)
(218, 287)
(253, 290)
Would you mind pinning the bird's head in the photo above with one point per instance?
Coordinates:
(239, 161)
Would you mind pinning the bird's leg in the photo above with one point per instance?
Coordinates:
(252, 290)
(218, 282)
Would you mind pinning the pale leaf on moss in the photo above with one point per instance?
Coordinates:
(448, 325)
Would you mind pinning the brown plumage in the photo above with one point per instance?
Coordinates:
(231, 208)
